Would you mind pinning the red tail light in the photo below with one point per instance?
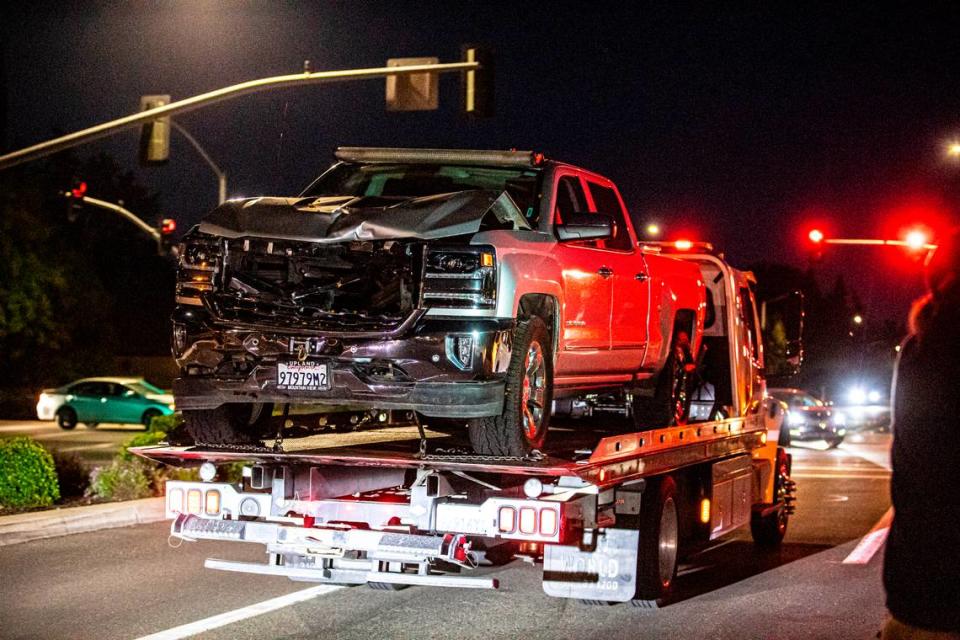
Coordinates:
(528, 520)
(507, 519)
(549, 522)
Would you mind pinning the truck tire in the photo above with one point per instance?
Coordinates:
(670, 403)
(769, 530)
(523, 424)
(659, 540)
(243, 423)
(66, 418)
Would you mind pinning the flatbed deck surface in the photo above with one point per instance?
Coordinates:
(599, 452)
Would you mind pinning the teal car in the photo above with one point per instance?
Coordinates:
(95, 400)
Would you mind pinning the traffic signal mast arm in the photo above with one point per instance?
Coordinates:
(876, 241)
(109, 206)
(219, 95)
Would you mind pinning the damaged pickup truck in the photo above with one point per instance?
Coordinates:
(485, 288)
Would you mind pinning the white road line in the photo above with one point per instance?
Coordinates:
(871, 543)
(222, 620)
(845, 476)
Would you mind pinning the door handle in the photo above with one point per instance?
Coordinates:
(641, 277)
(605, 272)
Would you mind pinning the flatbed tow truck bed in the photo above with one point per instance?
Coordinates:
(613, 460)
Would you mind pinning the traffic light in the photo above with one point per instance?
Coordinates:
(75, 199)
(167, 227)
(478, 95)
(154, 135)
(815, 244)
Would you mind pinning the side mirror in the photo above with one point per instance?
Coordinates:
(781, 319)
(586, 226)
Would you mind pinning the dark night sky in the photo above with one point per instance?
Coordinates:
(739, 125)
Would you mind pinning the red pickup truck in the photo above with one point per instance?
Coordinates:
(471, 287)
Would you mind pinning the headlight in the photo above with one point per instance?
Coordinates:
(199, 266)
(840, 419)
(795, 418)
(857, 395)
(460, 277)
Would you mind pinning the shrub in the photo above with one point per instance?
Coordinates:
(122, 480)
(72, 475)
(28, 477)
(165, 424)
(144, 439)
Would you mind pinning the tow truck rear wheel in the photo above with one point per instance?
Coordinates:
(769, 530)
(523, 424)
(235, 423)
(659, 540)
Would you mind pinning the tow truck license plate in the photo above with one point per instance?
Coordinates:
(305, 376)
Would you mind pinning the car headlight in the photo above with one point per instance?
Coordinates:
(795, 419)
(460, 277)
(840, 419)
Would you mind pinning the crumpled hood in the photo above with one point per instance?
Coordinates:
(330, 219)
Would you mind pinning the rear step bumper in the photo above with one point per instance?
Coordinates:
(352, 576)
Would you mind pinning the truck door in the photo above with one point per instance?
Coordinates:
(750, 349)
(587, 288)
(631, 286)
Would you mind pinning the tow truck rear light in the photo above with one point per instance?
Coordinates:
(507, 519)
(175, 501)
(549, 521)
(212, 502)
(528, 520)
(194, 501)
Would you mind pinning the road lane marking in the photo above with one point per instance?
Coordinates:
(88, 447)
(223, 619)
(871, 543)
(845, 476)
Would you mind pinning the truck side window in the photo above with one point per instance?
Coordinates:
(748, 316)
(570, 198)
(608, 203)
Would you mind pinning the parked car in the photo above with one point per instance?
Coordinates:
(95, 400)
(808, 418)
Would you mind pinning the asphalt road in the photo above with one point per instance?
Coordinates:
(93, 446)
(127, 583)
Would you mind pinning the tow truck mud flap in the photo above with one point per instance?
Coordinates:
(608, 572)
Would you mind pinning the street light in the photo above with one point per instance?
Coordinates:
(653, 230)
(857, 319)
(953, 149)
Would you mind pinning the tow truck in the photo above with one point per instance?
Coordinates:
(607, 517)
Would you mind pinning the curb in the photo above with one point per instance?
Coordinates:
(38, 525)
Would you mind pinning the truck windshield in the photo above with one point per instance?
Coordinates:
(414, 180)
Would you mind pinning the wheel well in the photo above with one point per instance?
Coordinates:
(544, 307)
(684, 320)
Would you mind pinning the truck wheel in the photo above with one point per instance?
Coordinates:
(769, 530)
(670, 404)
(659, 540)
(66, 418)
(523, 424)
(231, 423)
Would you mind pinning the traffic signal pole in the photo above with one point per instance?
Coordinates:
(219, 95)
(129, 215)
(221, 176)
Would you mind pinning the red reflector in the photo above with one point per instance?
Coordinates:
(507, 519)
(168, 226)
(528, 520)
(548, 522)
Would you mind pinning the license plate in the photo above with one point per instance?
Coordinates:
(303, 376)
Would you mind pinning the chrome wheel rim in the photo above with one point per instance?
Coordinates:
(669, 534)
(533, 391)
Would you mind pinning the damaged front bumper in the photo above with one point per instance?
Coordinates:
(449, 367)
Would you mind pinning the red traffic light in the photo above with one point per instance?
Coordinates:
(916, 239)
(79, 190)
(816, 236)
(168, 226)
